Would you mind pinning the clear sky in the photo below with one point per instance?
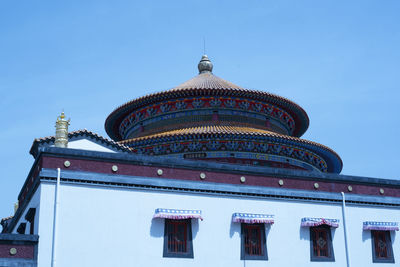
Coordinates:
(339, 60)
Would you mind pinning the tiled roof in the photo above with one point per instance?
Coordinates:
(83, 132)
(207, 81)
(207, 129)
(6, 218)
(222, 129)
(206, 84)
(5, 222)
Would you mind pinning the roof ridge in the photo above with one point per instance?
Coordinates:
(81, 132)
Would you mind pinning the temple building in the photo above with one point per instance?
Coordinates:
(205, 174)
(208, 118)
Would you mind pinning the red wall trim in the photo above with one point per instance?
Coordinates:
(216, 177)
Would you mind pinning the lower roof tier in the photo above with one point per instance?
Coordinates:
(239, 145)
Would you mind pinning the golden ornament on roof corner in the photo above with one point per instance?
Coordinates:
(61, 139)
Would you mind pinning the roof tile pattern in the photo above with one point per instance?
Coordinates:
(226, 129)
(206, 81)
(205, 84)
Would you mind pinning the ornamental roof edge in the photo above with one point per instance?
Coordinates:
(239, 131)
(182, 91)
(82, 132)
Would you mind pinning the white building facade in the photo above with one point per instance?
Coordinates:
(107, 217)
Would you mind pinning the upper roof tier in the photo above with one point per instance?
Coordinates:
(206, 100)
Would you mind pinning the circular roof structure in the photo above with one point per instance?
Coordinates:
(208, 114)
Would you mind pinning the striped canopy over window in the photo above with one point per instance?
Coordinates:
(175, 214)
(311, 222)
(381, 226)
(252, 218)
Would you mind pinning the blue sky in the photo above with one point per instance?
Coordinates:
(339, 60)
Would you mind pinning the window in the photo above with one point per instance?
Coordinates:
(30, 217)
(321, 243)
(253, 242)
(178, 239)
(21, 228)
(382, 247)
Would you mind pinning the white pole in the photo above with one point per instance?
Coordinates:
(345, 229)
(56, 201)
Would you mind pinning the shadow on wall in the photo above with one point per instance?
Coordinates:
(366, 235)
(157, 227)
(267, 229)
(304, 233)
(195, 227)
(235, 228)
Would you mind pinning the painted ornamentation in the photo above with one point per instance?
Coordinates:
(208, 118)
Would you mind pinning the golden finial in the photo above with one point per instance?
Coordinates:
(61, 139)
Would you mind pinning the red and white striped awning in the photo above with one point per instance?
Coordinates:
(381, 226)
(310, 222)
(175, 214)
(252, 218)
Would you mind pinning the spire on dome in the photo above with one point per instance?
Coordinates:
(205, 65)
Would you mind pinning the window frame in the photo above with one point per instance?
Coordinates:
(331, 254)
(389, 247)
(243, 255)
(189, 243)
(30, 217)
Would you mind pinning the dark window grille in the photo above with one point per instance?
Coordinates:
(253, 242)
(382, 246)
(178, 239)
(381, 250)
(321, 243)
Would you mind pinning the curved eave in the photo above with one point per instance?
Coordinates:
(332, 159)
(115, 118)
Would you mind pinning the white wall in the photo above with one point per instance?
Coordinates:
(100, 226)
(45, 227)
(360, 241)
(86, 144)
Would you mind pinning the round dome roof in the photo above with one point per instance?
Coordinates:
(206, 84)
(210, 118)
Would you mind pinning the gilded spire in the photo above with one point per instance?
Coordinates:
(205, 65)
(61, 131)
